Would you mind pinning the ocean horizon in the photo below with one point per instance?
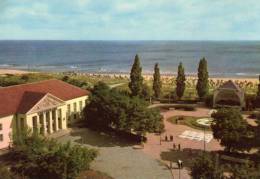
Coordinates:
(225, 58)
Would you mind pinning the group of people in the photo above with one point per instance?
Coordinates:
(174, 146)
(171, 140)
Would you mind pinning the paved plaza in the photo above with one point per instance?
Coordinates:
(163, 150)
(117, 158)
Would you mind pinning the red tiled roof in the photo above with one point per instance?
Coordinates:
(15, 98)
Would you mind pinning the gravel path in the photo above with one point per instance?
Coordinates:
(117, 158)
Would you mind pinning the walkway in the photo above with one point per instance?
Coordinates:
(117, 158)
(163, 151)
(116, 85)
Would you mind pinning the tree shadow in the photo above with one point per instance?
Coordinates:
(100, 139)
(186, 155)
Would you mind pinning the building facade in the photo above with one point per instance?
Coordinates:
(45, 107)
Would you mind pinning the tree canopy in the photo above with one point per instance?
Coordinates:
(204, 167)
(231, 129)
(40, 158)
(203, 82)
(136, 79)
(109, 108)
(180, 81)
(157, 84)
(258, 89)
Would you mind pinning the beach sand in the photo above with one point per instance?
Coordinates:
(13, 72)
(166, 77)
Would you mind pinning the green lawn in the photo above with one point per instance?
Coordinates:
(189, 121)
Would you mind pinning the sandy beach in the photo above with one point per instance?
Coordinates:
(166, 77)
(13, 72)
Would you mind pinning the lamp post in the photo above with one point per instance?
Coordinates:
(204, 140)
(160, 139)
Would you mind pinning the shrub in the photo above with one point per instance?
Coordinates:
(5, 173)
(255, 115)
(257, 102)
(185, 107)
(209, 100)
(38, 157)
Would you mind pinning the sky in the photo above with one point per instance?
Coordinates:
(130, 19)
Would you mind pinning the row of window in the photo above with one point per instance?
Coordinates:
(75, 107)
(1, 135)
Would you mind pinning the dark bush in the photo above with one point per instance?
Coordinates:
(185, 107)
(209, 100)
(255, 115)
(165, 100)
(189, 101)
(250, 101)
(228, 102)
(256, 103)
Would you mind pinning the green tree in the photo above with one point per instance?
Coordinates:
(146, 92)
(136, 79)
(244, 171)
(258, 91)
(157, 84)
(39, 158)
(204, 167)
(180, 81)
(203, 82)
(111, 108)
(5, 173)
(231, 129)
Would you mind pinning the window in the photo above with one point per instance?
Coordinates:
(1, 127)
(68, 108)
(1, 137)
(34, 123)
(75, 107)
(80, 105)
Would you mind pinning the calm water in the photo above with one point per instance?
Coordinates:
(240, 58)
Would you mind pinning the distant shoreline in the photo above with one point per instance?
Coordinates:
(147, 76)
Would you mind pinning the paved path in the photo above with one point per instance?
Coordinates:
(157, 151)
(117, 158)
(116, 85)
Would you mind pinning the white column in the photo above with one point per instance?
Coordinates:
(50, 122)
(56, 120)
(44, 123)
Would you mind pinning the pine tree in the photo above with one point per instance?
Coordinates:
(180, 81)
(203, 82)
(136, 79)
(258, 91)
(157, 84)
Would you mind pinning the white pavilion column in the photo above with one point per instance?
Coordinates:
(44, 122)
(55, 120)
(50, 122)
(36, 128)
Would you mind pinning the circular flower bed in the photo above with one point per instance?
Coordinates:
(205, 121)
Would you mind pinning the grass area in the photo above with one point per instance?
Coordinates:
(189, 121)
(84, 81)
(168, 85)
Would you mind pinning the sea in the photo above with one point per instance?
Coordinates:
(225, 58)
